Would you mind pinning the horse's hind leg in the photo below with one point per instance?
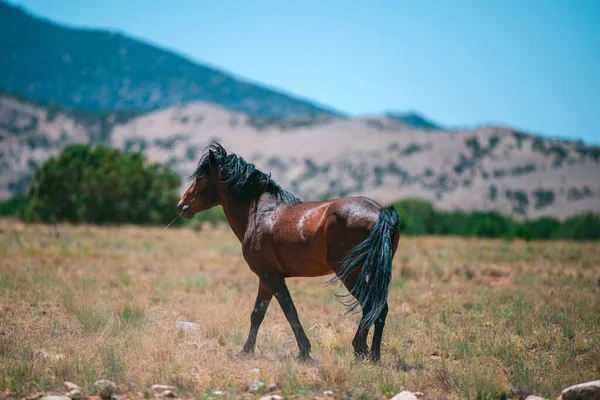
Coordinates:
(361, 348)
(377, 334)
(263, 298)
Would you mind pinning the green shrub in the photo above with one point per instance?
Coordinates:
(101, 185)
(13, 205)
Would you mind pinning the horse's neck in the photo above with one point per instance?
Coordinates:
(243, 215)
(237, 214)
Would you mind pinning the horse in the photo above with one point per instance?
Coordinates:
(355, 238)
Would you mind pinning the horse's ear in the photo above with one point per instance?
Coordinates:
(212, 159)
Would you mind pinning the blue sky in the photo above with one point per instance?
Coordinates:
(531, 64)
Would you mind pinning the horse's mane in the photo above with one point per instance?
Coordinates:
(241, 177)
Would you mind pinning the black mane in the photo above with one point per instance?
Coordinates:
(241, 177)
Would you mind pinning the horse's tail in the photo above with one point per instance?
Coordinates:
(374, 255)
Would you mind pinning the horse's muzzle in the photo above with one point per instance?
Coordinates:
(184, 210)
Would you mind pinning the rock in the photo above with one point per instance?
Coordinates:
(583, 391)
(105, 388)
(218, 393)
(163, 388)
(256, 386)
(405, 395)
(185, 325)
(53, 398)
(115, 397)
(255, 370)
(272, 397)
(169, 394)
(271, 387)
(73, 391)
(532, 397)
(328, 393)
(70, 386)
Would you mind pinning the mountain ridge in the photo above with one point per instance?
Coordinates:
(154, 77)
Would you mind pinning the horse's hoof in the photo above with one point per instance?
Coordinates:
(374, 358)
(243, 355)
(361, 355)
(306, 359)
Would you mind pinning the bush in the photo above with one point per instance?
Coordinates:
(12, 206)
(419, 217)
(101, 185)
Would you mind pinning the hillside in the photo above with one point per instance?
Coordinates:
(491, 168)
(100, 70)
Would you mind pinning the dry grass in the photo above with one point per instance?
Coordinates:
(468, 317)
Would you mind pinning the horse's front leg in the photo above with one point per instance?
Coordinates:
(263, 298)
(283, 296)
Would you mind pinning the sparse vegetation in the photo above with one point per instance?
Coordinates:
(493, 193)
(575, 194)
(476, 318)
(543, 198)
(519, 199)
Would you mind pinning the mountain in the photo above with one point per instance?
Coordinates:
(415, 120)
(488, 168)
(100, 70)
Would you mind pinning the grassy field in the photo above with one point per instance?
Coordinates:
(468, 317)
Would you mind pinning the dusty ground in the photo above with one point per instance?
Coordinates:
(468, 317)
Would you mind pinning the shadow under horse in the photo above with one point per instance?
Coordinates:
(281, 236)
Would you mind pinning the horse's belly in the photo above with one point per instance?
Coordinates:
(303, 260)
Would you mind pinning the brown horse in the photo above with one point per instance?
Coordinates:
(282, 237)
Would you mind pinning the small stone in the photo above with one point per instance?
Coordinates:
(116, 397)
(53, 398)
(256, 386)
(405, 308)
(583, 391)
(70, 386)
(271, 387)
(185, 325)
(74, 394)
(328, 393)
(218, 393)
(162, 388)
(532, 397)
(272, 397)
(255, 370)
(105, 388)
(419, 394)
(168, 393)
(405, 395)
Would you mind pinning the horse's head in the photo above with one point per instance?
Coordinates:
(202, 194)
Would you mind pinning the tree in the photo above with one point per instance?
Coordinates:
(101, 185)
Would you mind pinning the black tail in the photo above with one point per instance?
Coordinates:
(374, 255)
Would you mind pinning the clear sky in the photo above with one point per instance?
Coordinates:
(532, 64)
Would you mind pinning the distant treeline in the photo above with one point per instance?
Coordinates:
(102, 185)
(419, 217)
